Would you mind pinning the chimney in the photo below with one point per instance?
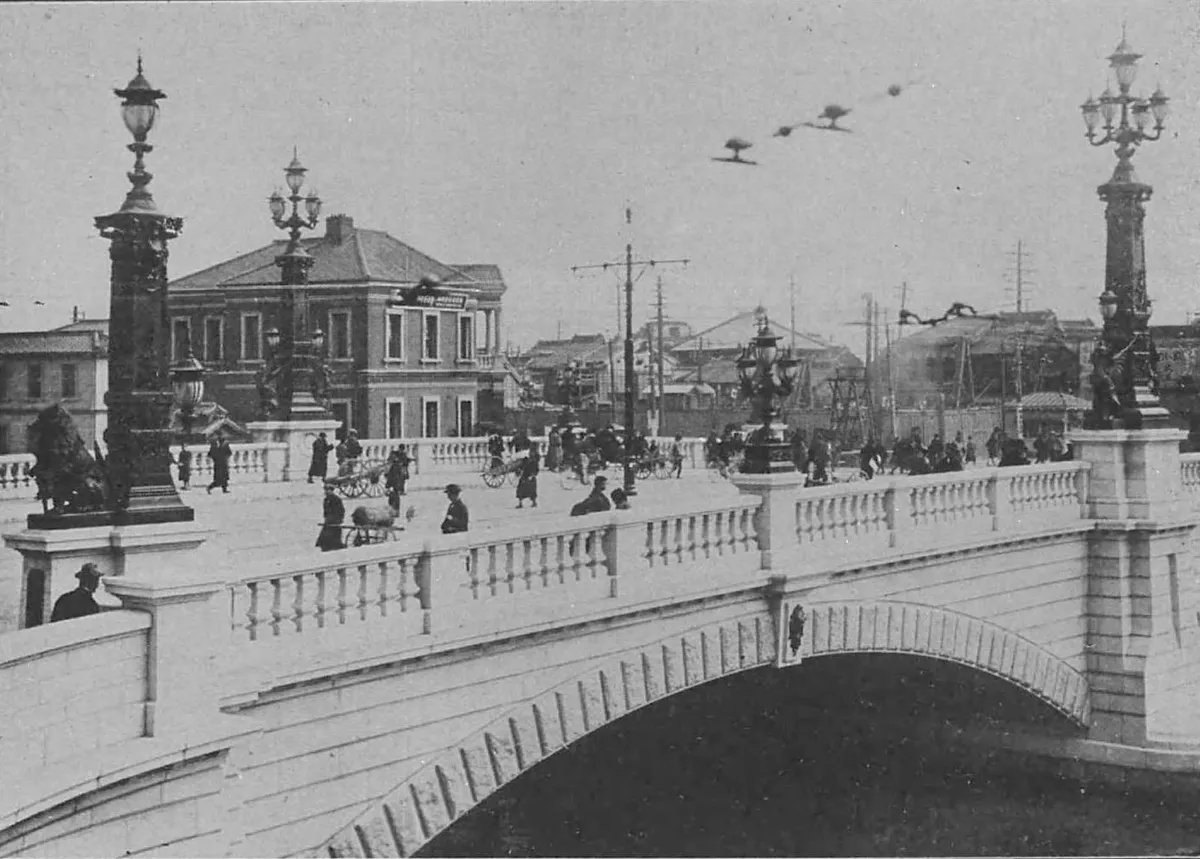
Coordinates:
(339, 228)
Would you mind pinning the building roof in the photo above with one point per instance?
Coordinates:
(688, 388)
(100, 325)
(554, 354)
(735, 334)
(345, 254)
(53, 343)
(720, 371)
(993, 334)
(1054, 401)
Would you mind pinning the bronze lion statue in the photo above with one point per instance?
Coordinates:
(69, 479)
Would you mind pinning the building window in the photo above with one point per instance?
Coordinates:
(181, 338)
(466, 338)
(395, 335)
(466, 417)
(68, 382)
(430, 337)
(4, 382)
(432, 417)
(251, 337)
(34, 379)
(339, 335)
(395, 418)
(4, 439)
(213, 351)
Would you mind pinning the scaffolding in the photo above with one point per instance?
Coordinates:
(851, 409)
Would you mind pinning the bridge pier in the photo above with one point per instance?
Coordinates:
(1142, 651)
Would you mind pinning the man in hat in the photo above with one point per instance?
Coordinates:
(79, 602)
(597, 501)
(456, 514)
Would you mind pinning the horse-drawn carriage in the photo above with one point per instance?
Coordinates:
(364, 479)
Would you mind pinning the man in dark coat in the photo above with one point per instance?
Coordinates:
(320, 458)
(79, 602)
(596, 502)
(456, 514)
(220, 453)
(527, 481)
(334, 512)
(397, 474)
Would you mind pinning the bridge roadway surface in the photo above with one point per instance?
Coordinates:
(259, 522)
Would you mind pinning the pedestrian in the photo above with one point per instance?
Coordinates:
(677, 456)
(396, 478)
(554, 450)
(495, 448)
(219, 453)
(620, 499)
(456, 514)
(597, 501)
(79, 602)
(992, 446)
(333, 515)
(353, 448)
(320, 458)
(527, 480)
(799, 450)
(970, 450)
(185, 468)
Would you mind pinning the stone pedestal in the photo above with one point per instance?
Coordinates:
(298, 436)
(185, 635)
(776, 518)
(51, 558)
(1142, 657)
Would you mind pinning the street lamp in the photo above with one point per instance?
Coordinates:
(187, 381)
(139, 396)
(767, 376)
(291, 382)
(1125, 384)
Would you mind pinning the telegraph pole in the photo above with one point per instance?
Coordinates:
(630, 487)
(661, 393)
(1021, 303)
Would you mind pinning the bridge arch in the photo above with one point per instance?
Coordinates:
(469, 771)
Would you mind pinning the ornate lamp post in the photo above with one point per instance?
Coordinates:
(1125, 385)
(291, 381)
(767, 375)
(139, 395)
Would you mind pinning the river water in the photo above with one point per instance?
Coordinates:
(822, 760)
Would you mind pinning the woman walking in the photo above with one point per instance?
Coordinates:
(527, 481)
(219, 453)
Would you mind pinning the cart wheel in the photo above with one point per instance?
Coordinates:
(569, 480)
(661, 471)
(492, 479)
(644, 471)
(375, 489)
(355, 489)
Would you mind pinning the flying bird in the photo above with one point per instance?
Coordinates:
(827, 120)
(736, 145)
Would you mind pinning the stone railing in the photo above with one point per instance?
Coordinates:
(494, 579)
(870, 518)
(259, 461)
(1189, 464)
(15, 480)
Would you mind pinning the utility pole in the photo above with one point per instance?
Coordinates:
(887, 332)
(630, 487)
(792, 283)
(612, 383)
(661, 395)
(1021, 302)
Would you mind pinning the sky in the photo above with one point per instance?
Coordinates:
(518, 133)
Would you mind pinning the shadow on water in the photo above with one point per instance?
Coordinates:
(821, 760)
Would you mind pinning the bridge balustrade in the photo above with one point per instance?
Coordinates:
(1189, 464)
(869, 519)
(15, 479)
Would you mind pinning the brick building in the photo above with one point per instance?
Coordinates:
(67, 365)
(400, 368)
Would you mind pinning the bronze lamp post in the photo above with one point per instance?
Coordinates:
(1124, 379)
(291, 381)
(767, 375)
